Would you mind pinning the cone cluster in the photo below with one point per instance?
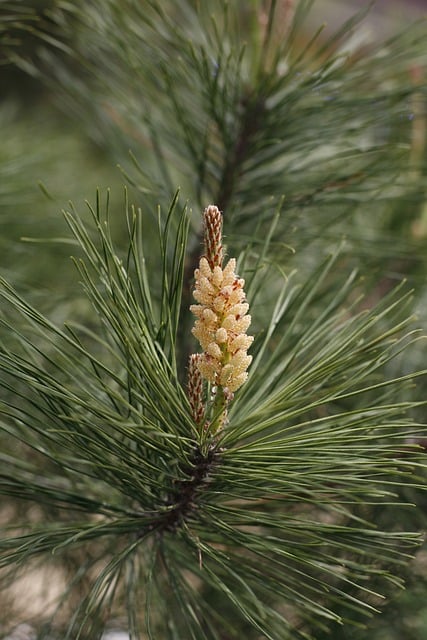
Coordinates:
(221, 313)
(221, 325)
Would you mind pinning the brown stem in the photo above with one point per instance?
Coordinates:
(182, 498)
(253, 111)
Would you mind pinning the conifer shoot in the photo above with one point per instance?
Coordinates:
(222, 320)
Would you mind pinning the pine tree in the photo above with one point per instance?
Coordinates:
(224, 439)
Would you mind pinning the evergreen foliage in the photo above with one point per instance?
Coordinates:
(296, 516)
(239, 106)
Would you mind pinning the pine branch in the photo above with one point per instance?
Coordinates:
(281, 510)
(250, 113)
(314, 436)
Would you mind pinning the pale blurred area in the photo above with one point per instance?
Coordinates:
(382, 20)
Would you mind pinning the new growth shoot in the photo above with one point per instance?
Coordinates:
(221, 323)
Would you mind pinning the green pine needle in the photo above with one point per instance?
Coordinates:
(274, 516)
